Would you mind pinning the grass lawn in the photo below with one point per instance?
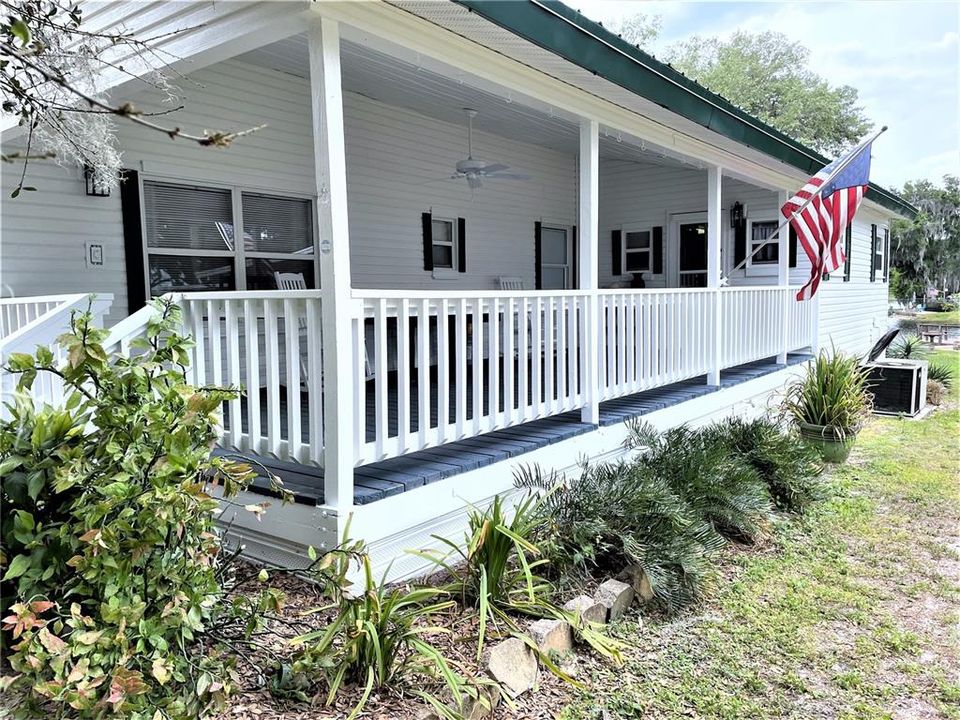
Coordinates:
(851, 612)
(939, 318)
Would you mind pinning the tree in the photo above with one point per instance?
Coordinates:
(767, 75)
(639, 29)
(49, 72)
(926, 250)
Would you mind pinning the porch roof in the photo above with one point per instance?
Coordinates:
(559, 29)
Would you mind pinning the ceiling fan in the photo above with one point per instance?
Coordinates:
(475, 171)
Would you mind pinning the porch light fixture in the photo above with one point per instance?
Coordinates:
(94, 187)
(736, 215)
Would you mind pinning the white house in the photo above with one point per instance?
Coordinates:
(408, 334)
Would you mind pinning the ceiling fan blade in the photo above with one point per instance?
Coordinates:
(494, 167)
(508, 176)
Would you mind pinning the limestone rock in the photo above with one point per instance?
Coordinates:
(512, 664)
(551, 635)
(639, 581)
(616, 596)
(587, 608)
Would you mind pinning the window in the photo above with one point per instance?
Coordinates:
(444, 238)
(878, 254)
(638, 250)
(191, 242)
(847, 249)
(761, 251)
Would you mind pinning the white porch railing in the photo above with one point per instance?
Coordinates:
(37, 321)
(752, 322)
(446, 366)
(269, 343)
(653, 337)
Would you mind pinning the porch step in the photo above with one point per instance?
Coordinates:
(379, 480)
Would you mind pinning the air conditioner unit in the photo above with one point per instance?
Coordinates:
(899, 387)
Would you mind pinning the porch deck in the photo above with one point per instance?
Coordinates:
(375, 481)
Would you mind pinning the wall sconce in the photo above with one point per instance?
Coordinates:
(94, 188)
(736, 215)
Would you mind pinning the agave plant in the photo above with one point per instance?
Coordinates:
(909, 347)
(942, 373)
(832, 393)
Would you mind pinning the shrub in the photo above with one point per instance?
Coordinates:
(718, 485)
(936, 392)
(941, 373)
(619, 514)
(908, 347)
(788, 466)
(378, 638)
(832, 392)
(113, 576)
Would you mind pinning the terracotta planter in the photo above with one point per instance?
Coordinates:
(833, 445)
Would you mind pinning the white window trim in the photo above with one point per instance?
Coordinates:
(878, 273)
(760, 268)
(632, 229)
(239, 253)
(447, 273)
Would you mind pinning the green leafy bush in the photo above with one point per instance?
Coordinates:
(112, 570)
(622, 514)
(717, 484)
(788, 466)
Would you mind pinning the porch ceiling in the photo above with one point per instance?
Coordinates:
(396, 82)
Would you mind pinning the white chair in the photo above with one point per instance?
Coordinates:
(296, 281)
(510, 282)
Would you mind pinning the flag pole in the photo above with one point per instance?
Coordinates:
(836, 171)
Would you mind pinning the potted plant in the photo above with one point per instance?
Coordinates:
(829, 403)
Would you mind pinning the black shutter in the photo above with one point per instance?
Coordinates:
(873, 253)
(793, 247)
(575, 260)
(537, 255)
(886, 254)
(739, 243)
(616, 247)
(657, 250)
(427, 241)
(132, 239)
(847, 249)
(461, 245)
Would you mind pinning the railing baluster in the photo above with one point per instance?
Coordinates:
(423, 371)
(403, 374)
(536, 358)
(291, 332)
(251, 329)
(315, 379)
(461, 356)
(381, 403)
(443, 372)
(509, 356)
(523, 356)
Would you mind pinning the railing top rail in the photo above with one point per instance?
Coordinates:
(37, 299)
(248, 295)
(655, 291)
(463, 294)
(758, 288)
(43, 329)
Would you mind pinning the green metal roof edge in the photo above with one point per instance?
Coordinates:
(563, 31)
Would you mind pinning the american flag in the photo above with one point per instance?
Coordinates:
(823, 220)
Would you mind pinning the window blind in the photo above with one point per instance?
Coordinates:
(277, 225)
(184, 217)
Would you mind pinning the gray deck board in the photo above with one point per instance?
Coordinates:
(386, 478)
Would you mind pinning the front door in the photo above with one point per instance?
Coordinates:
(693, 254)
(555, 259)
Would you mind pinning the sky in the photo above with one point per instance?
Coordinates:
(903, 57)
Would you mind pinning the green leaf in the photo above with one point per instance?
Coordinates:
(19, 28)
(20, 565)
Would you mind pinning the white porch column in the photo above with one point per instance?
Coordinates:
(337, 316)
(589, 254)
(783, 281)
(714, 235)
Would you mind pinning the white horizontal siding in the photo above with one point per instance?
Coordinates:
(853, 315)
(633, 194)
(43, 236)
